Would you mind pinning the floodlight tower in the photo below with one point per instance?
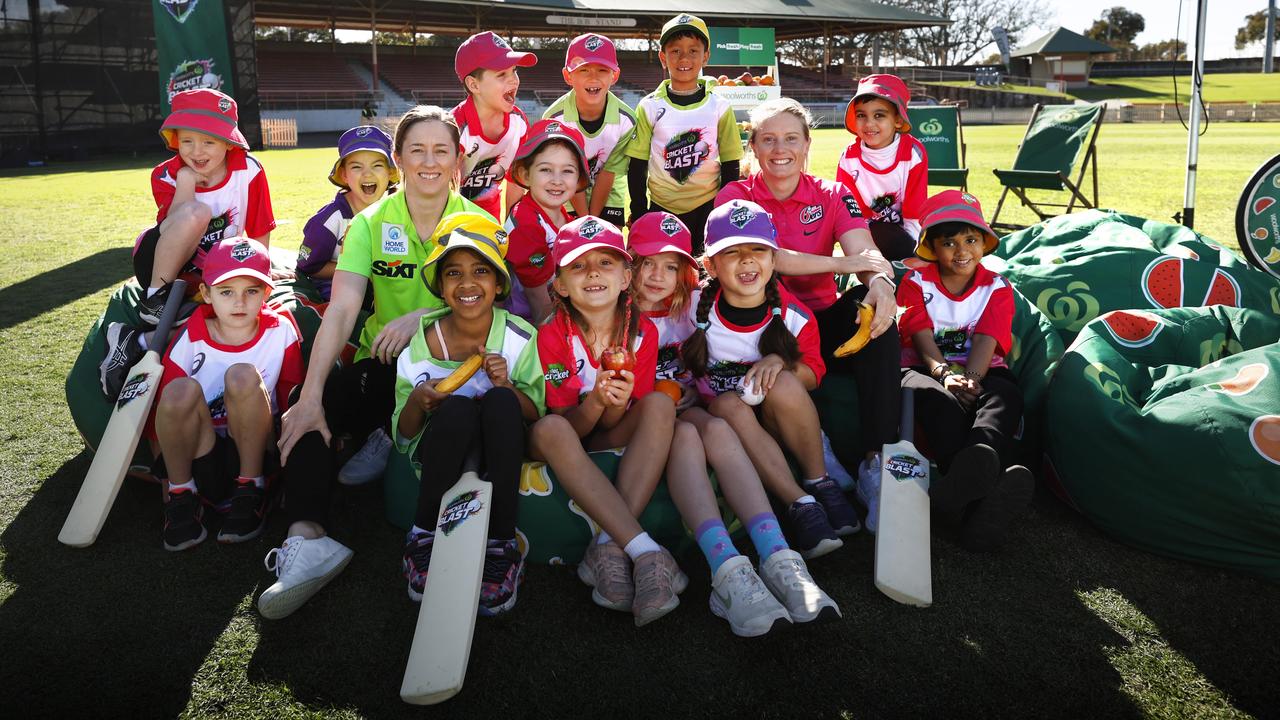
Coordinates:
(1193, 133)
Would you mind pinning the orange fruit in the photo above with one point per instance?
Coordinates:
(671, 388)
(1265, 436)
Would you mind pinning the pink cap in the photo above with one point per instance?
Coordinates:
(490, 52)
(543, 132)
(658, 232)
(887, 87)
(205, 111)
(236, 257)
(591, 48)
(584, 234)
(953, 206)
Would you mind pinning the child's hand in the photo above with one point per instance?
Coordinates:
(614, 388)
(688, 396)
(424, 393)
(186, 176)
(764, 373)
(495, 366)
(958, 385)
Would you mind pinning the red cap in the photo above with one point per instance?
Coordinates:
(236, 257)
(658, 232)
(584, 234)
(540, 134)
(205, 111)
(588, 49)
(953, 206)
(887, 87)
(490, 52)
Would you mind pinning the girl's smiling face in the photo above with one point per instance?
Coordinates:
(428, 158)
(781, 146)
(553, 175)
(877, 122)
(743, 271)
(468, 283)
(367, 176)
(593, 280)
(657, 277)
(959, 254)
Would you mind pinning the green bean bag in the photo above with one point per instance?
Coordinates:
(90, 409)
(1164, 430)
(1079, 266)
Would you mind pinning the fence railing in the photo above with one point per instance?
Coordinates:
(279, 132)
(312, 100)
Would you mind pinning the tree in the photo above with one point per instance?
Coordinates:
(1117, 27)
(970, 30)
(1254, 29)
(1163, 50)
(288, 34)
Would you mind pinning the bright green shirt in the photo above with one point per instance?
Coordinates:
(382, 245)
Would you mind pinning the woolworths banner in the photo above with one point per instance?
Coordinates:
(742, 46)
(191, 46)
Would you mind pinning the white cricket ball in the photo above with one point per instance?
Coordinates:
(748, 392)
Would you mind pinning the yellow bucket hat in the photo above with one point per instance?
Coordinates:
(470, 231)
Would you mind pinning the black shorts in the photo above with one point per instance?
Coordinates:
(614, 215)
(215, 472)
(144, 257)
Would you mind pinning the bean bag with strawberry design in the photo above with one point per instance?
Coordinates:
(1164, 430)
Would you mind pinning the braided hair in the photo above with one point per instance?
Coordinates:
(775, 340)
(624, 333)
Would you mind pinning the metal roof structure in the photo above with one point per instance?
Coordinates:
(1062, 42)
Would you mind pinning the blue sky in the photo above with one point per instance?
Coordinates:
(1224, 18)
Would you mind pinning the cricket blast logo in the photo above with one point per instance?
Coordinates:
(242, 251)
(904, 467)
(684, 155)
(670, 226)
(136, 386)
(594, 42)
(458, 510)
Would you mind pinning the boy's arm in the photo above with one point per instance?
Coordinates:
(981, 349)
(513, 193)
(579, 203)
(600, 192)
(638, 187)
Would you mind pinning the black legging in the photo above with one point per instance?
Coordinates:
(311, 473)
(949, 428)
(894, 242)
(496, 417)
(361, 397)
(874, 369)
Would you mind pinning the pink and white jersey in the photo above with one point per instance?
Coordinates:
(673, 330)
(733, 349)
(275, 351)
(530, 235)
(891, 183)
(486, 160)
(570, 371)
(986, 308)
(240, 204)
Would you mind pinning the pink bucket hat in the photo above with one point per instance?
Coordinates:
(204, 111)
(953, 206)
(887, 87)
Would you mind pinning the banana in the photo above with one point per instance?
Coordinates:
(1273, 256)
(863, 334)
(459, 377)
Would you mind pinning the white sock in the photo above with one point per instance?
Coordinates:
(259, 481)
(418, 531)
(640, 545)
(152, 291)
(603, 538)
(806, 499)
(810, 481)
(142, 340)
(188, 486)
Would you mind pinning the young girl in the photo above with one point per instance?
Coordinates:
(592, 407)
(364, 171)
(956, 329)
(552, 165)
(664, 283)
(436, 427)
(885, 168)
(755, 343)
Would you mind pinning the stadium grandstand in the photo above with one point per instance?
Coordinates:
(81, 77)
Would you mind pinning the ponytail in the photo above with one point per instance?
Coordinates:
(776, 338)
(694, 348)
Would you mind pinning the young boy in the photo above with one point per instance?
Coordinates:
(364, 171)
(694, 151)
(209, 190)
(884, 167)
(227, 377)
(491, 124)
(956, 330)
(606, 123)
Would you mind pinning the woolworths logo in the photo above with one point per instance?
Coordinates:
(931, 127)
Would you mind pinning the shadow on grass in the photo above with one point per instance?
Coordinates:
(1008, 634)
(65, 284)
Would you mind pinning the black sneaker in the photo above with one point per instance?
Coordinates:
(150, 308)
(974, 471)
(840, 512)
(123, 352)
(811, 532)
(987, 526)
(182, 521)
(417, 557)
(246, 516)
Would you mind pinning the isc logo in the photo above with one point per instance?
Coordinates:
(395, 269)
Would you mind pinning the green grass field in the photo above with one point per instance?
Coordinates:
(1064, 622)
(1218, 88)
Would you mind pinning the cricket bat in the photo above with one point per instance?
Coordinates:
(903, 564)
(441, 646)
(120, 440)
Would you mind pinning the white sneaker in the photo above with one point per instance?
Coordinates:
(868, 490)
(368, 464)
(788, 579)
(302, 567)
(835, 470)
(737, 595)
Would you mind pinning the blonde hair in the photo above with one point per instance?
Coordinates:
(766, 111)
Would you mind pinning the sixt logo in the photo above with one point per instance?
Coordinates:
(460, 508)
(394, 269)
(740, 216)
(594, 42)
(670, 226)
(136, 387)
(810, 214)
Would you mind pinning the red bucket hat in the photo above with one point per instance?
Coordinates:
(585, 234)
(490, 52)
(658, 232)
(204, 111)
(953, 206)
(540, 134)
(237, 257)
(887, 87)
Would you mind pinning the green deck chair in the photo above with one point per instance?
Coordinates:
(1054, 140)
(939, 129)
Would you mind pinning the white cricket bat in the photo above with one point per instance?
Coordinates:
(120, 440)
(903, 564)
(441, 647)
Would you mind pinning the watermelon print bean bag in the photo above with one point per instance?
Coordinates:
(1164, 430)
(1077, 267)
(90, 409)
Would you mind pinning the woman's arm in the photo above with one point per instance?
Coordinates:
(876, 273)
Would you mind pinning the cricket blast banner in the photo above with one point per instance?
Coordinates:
(191, 46)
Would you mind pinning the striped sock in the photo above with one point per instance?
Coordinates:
(716, 544)
(766, 535)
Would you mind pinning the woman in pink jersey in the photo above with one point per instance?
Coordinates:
(812, 215)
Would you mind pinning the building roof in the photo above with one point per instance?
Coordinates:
(790, 19)
(1062, 42)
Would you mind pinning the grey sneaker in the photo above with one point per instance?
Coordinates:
(370, 462)
(608, 569)
(658, 581)
(302, 567)
(738, 595)
(789, 580)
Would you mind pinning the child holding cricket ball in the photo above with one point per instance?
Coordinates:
(471, 371)
(956, 329)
